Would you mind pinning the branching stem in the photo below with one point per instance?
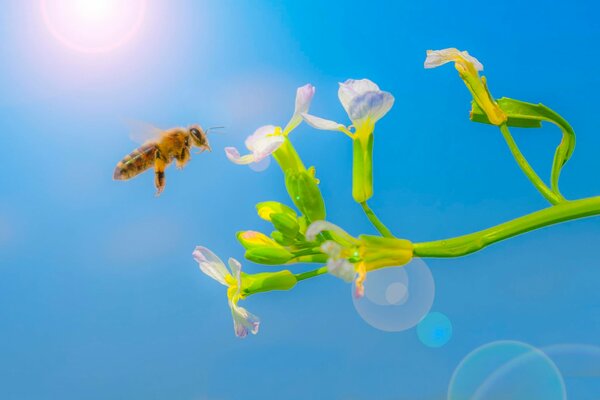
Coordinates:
(381, 228)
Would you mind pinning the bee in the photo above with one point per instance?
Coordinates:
(171, 144)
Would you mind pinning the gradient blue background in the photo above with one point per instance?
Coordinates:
(99, 295)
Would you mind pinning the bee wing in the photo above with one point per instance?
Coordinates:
(143, 132)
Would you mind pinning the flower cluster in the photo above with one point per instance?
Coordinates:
(303, 234)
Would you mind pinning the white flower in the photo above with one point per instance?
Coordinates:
(435, 58)
(337, 265)
(267, 139)
(364, 103)
(243, 321)
(468, 68)
(337, 250)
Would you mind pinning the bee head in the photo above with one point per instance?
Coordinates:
(199, 138)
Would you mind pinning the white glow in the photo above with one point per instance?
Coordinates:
(93, 26)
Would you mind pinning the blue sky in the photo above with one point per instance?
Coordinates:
(99, 295)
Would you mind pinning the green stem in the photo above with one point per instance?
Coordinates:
(376, 221)
(311, 274)
(551, 196)
(467, 244)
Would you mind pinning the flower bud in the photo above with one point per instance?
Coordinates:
(266, 208)
(276, 255)
(285, 224)
(268, 281)
(281, 238)
(305, 194)
(252, 239)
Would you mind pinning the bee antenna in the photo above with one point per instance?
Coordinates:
(214, 127)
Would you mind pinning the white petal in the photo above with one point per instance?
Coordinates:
(342, 269)
(478, 66)
(210, 264)
(236, 271)
(258, 135)
(304, 96)
(243, 321)
(235, 267)
(323, 124)
(332, 249)
(435, 58)
(372, 105)
(266, 146)
(319, 226)
(353, 88)
(234, 156)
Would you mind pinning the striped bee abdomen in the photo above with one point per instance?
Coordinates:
(136, 162)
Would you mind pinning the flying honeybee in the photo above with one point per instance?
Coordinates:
(168, 145)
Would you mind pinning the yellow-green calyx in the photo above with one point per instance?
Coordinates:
(351, 258)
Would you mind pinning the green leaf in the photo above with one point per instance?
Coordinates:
(527, 115)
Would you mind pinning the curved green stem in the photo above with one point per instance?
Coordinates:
(467, 244)
(383, 230)
(311, 274)
(551, 196)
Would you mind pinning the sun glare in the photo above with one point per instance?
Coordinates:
(93, 26)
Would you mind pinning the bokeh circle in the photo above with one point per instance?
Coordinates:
(397, 298)
(434, 330)
(507, 370)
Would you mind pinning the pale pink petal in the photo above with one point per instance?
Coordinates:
(371, 105)
(353, 88)
(234, 156)
(342, 269)
(323, 124)
(210, 264)
(304, 97)
(266, 146)
(340, 235)
(243, 321)
(258, 135)
(435, 58)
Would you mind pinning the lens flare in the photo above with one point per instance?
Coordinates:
(93, 26)
(435, 330)
(507, 370)
(397, 298)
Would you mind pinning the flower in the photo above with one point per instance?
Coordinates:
(267, 139)
(365, 104)
(350, 257)
(243, 321)
(468, 68)
(435, 58)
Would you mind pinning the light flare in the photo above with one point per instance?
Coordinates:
(93, 26)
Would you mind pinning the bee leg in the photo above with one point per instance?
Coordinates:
(159, 175)
(182, 158)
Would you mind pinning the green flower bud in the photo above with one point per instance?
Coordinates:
(281, 238)
(268, 281)
(269, 255)
(266, 208)
(285, 224)
(304, 192)
(253, 239)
